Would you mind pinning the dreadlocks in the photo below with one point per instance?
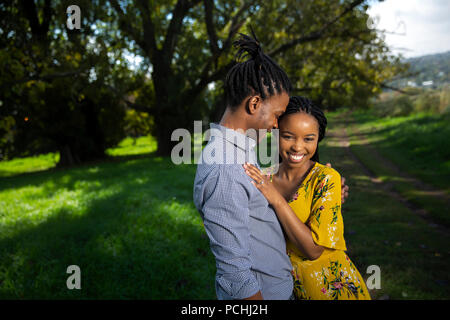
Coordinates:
(257, 75)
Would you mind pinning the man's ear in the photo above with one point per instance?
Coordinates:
(253, 104)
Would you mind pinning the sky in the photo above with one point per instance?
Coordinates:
(424, 25)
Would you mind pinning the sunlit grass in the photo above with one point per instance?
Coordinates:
(130, 226)
(127, 147)
(28, 164)
(133, 146)
(380, 230)
(418, 143)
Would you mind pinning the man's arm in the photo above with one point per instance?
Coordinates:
(226, 220)
(344, 187)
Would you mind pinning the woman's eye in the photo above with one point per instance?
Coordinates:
(309, 139)
(287, 137)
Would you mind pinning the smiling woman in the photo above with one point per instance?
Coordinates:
(306, 196)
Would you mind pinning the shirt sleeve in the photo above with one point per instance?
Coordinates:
(226, 220)
(326, 221)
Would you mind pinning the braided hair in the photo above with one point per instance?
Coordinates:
(257, 75)
(303, 104)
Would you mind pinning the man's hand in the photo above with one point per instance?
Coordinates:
(256, 296)
(344, 192)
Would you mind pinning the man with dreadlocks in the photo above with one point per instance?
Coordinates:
(245, 235)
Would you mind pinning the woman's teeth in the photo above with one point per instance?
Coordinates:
(296, 157)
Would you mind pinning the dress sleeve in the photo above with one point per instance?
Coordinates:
(326, 221)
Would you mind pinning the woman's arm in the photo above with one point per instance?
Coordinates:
(298, 233)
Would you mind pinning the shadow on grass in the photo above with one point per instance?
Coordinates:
(76, 171)
(7, 175)
(144, 240)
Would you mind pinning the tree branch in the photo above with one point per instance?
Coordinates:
(236, 24)
(210, 26)
(38, 30)
(385, 86)
(315, 35)
(176, 23)
(136, 106)
(149, 42)
(205, 76)
(48, 77)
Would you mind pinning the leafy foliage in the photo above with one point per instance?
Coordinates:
(56, 84)
(68, 90)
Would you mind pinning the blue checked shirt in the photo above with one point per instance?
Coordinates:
(245, 235)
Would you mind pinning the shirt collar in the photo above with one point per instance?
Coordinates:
(238, 138)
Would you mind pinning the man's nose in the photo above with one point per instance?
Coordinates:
(275, 125)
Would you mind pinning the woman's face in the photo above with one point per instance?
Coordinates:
(299, 134)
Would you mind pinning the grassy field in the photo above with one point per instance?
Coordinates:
(379, 230)
(410, 152)
(131, 227)
(417, 143)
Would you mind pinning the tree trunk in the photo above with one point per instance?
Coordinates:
(165, 145)
(66, 157)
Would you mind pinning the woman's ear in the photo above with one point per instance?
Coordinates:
(253, 104)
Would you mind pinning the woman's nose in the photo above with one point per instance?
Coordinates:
(297, 146)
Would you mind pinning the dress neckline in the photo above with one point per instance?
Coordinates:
(295, 195)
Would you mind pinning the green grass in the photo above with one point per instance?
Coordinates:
(29, 164)
(379, 230)
(130, 146)
(127, 147)
(130, 226)
(416, 144)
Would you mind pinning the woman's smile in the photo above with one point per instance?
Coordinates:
(295, 157)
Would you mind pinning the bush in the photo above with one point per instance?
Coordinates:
(393, 104)
(427, 102)
(395, 107)
(444, 103)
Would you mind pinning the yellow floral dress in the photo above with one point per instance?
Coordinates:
(332, 276)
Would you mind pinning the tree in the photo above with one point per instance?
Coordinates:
(68, 90)
(56, 83)
(188, 44)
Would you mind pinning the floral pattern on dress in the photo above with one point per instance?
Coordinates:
(332, 276)
(339, 282)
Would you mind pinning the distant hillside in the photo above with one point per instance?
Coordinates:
(434, 67)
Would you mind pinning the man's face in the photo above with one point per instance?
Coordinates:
(271, 109)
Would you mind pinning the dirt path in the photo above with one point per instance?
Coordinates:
(342, 139)
(418, 184)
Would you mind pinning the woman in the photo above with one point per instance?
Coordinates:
(306, 196)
